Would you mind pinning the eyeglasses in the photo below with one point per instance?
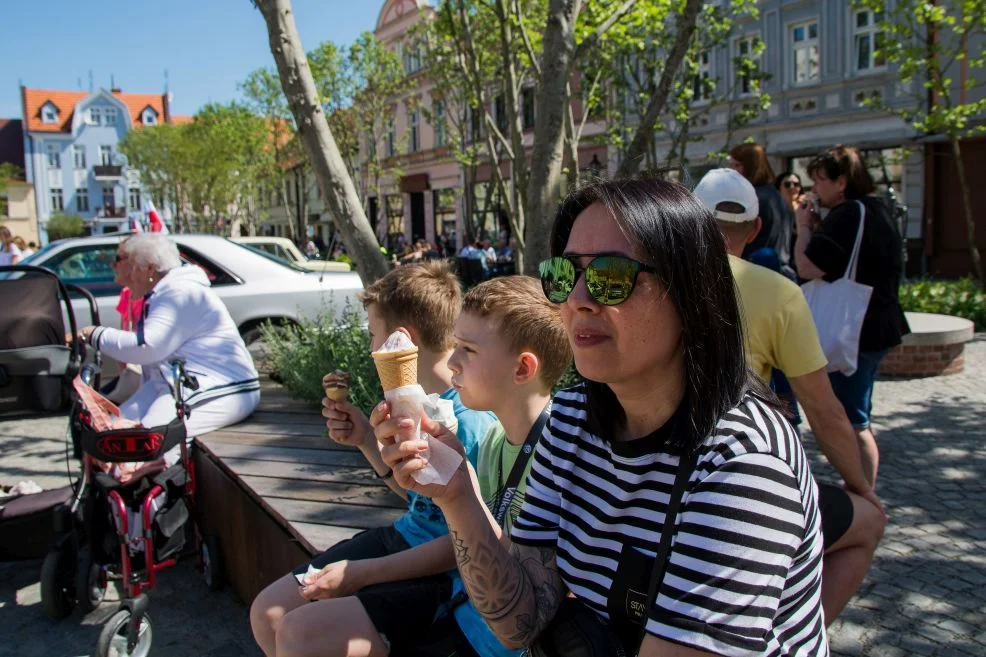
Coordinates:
(119, 258)
(610, 279)
(791, 183)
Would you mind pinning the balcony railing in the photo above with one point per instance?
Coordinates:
(107, 171)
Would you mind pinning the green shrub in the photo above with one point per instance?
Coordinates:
(63, 225)
(301, 355)
(962, 298)
(570, 378)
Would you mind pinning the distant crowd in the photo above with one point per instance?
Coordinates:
(13, 248)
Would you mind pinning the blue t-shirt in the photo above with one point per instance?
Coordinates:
(424, 521)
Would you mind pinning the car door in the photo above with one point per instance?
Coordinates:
(90, 266)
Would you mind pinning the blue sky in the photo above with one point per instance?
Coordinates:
(207, 46)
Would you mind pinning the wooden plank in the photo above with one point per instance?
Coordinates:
(303, 442)
(313, 491)
(340, 515)
(321, 457)
(261, 416)
(256, 549)
(319, 538)
(277, 429)
(301, 472)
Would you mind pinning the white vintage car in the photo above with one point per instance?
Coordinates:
(255, 286)
(284, 248)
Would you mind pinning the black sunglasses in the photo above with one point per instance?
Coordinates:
(609, 278)
(792, 183)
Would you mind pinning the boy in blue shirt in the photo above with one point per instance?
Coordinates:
(425, 299)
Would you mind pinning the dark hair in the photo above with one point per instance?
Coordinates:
(779, 180)
(756, 166)
(682, 241)
(844, 161)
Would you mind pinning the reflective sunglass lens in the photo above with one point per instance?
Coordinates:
(610, 279)
(557, 279)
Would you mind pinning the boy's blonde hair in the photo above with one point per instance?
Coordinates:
(425, 296)
(526, 320)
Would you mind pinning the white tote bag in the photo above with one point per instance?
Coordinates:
(839, 308)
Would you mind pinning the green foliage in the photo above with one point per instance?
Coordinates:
(962, 298)
(570, 378)
(301, 355)
(62, 225)
(8, 171)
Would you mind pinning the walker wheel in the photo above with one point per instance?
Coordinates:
(90, 582)
(58, 583)
(212, 563)
(113, 638)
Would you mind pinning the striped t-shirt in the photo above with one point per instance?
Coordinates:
(744, 576)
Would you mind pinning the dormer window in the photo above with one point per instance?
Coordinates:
(148, 116)
(49, 113)
(95, 116)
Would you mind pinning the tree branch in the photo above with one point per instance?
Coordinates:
(591, 40)
(527, 41)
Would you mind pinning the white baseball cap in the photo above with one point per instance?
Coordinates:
(725, 186)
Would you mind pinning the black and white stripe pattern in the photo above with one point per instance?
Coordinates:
(744, 576)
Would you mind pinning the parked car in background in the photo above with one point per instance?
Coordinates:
(255, 286)
(284, 248)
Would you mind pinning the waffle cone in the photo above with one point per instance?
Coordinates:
(337, 393)
(396, 368)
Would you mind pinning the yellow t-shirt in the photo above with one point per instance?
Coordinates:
(779, 329)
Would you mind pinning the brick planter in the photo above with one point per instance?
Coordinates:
(934, 347)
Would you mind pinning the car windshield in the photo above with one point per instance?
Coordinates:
(271, 257)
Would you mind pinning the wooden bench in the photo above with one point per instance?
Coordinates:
(276, 490)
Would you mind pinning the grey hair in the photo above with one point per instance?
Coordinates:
(152, 250)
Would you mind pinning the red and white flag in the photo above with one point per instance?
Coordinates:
(154, 219)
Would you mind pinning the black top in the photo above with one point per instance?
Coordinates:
(880, 266)
(777, 225)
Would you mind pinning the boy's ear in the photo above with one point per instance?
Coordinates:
(411, 332)
(527, 368)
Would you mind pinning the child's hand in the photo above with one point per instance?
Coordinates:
(346, 424)
(403, 455)
(336, 580)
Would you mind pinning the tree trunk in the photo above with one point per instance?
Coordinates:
(657, 102)
(970, 220)
(330, 170)
(545, 181)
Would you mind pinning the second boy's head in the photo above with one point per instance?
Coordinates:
(423, 298)
(507, 335)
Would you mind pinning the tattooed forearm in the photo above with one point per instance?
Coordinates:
(517, 592)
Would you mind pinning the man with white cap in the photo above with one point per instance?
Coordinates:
(780, 333)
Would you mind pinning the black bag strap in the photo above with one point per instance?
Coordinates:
(686, 465)
(517, 471)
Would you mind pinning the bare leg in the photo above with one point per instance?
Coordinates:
(869, 453)
(330, 628)
(269, 608)
(847, 561)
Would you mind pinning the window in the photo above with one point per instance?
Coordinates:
(371, 145)
(527, 108)
(95, 116)
(106, 155)
(109, 201)
(413, 119)
(500, 112)
(133, 198)
(702, 86)
(54, 156)
(109, 116)
(412, 59)
(391, 148)
(868, 39)
(57, 199)
(476, 126)
(79, 154)
(747, 50)
(149, 117)
(89, 266)
(82, 199)
(439, 123)
(49, 113)
(804, 37)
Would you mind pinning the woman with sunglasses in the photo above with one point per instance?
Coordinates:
(640, 271)
(789, 185)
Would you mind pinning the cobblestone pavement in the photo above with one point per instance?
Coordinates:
(925, 595)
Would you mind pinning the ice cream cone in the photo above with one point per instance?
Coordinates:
(396, 368)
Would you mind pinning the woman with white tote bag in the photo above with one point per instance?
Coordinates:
(856, 246)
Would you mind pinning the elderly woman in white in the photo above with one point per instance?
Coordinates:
(182, 319)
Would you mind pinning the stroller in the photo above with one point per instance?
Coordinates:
(125, 531)
(36, 366)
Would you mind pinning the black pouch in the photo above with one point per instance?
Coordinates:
(628, 603)
(577, 631)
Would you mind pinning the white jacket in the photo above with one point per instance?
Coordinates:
(185, 319)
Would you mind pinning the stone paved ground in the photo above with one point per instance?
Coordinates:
(926, 593)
